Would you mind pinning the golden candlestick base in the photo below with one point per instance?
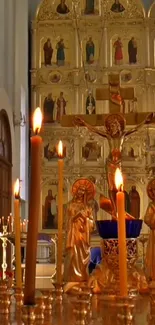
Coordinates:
(19, 296)
(81, 308)
(47, 295)
(5, 301)
(125, 308)
(3, 285)
(28, 314)
(58, 292)
(80, 298)
(40, 308)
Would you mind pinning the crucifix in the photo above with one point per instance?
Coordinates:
(114, 131)
(115, 94)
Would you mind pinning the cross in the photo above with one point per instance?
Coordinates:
(115, 94)
(104, 94)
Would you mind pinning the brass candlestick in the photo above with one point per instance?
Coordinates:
(19, 296)
(40, 308)
(58, 292)
(28, 314)
(5, 301)
(47, 295)
(81, 309)
(125, 307)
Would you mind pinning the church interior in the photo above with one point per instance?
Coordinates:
(77, 162)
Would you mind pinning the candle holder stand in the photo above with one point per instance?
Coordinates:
(58, 292)
(5, 301)
(126, 309)
(40, 308)
(28, 314)
(4, 239)
(19, 297)
(82, 306)
(47, 296)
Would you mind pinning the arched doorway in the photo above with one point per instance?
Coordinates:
(5, 165)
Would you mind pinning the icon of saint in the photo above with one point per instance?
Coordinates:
(61, 107)
(132, 51)
(48, 108)
(117, 7)
(118, 55)
(90, 104)
(48, 52)
(62, 8)
(60, 52)
(90, 51)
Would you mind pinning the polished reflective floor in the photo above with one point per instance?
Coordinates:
(99, 312)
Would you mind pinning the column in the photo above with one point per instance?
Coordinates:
(33, 100)
(9, 48)
(105, 48)
(2, 43)
(77, 45)
(21, 81)
(33, 47)
(147, 41)
(76, 101)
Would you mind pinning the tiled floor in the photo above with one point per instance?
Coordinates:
(102, 314)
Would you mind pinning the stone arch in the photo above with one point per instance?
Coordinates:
(5, 165)
(151, 12)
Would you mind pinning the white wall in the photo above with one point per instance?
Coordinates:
(14, 71)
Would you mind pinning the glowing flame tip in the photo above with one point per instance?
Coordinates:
(16, 188)
(118, 179)
(60, 149)
(37, 120)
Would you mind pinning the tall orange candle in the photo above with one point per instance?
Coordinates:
(34, 210)
(60, 214)
(18, 269)
(120, 199)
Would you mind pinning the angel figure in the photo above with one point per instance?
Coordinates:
(149, 219)
(80, 223)
(116, 134)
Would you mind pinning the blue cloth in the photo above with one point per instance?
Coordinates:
(95, 258)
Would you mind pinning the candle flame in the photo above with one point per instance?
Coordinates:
(60, 149)
(16, 189)
(37, 120)
(118, 180)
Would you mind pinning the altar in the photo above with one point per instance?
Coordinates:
(96, 71)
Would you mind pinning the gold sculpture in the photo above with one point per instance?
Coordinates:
(149, 219)
(79, 225)
(116, 134)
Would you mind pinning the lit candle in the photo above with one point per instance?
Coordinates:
(18, 269)
(21, 226)
(2, 221)
(27, 225)
(24, 225)
(60, 214)
(34, 210)
(8, 224)
(11, 222)
(120, 199)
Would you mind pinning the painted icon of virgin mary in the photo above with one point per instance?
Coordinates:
(117, 7)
